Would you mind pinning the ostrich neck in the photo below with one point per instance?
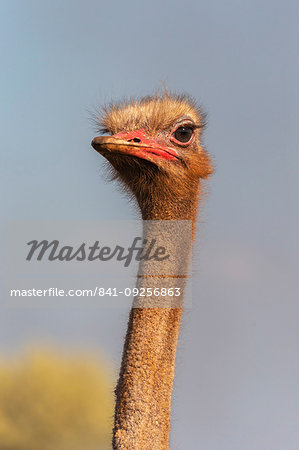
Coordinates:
(167, 206)
(143, 392)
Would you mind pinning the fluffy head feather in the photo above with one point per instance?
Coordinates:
(154, 113)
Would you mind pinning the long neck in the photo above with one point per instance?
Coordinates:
(143, 392)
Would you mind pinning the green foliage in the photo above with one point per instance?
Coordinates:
(50, 402)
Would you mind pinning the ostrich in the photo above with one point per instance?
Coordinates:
(154, 149)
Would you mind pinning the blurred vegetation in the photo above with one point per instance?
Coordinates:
(52, 402)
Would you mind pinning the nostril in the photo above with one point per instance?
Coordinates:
(134, 140)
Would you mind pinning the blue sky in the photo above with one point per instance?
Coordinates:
(237, 370)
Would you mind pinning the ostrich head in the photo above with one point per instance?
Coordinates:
(154, 146)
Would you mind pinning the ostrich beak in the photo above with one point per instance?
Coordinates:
(134, 143)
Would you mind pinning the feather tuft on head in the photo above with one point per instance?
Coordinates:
(153, 113)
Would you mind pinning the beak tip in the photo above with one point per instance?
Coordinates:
(94, 143)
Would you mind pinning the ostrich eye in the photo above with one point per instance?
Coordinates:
(183, 134)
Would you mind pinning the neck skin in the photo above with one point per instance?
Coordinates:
(143, 392)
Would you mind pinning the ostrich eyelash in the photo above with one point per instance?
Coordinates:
(104, 130)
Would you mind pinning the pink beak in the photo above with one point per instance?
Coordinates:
(134, 143)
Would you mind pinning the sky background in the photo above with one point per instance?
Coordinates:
(237, 369)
